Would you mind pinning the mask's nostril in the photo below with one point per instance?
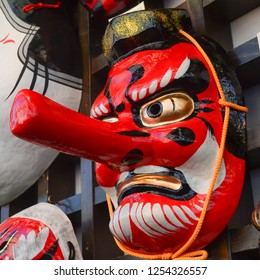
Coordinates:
(182, 135)
(133, 157)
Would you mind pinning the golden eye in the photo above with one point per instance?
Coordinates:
(166, 109)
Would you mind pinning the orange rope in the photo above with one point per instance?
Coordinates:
(200, 254)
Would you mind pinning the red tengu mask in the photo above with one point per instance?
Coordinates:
(155, 132)
(40, 232)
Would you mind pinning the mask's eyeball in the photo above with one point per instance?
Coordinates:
(166, 109)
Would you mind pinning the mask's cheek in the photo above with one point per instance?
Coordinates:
(174, 145)
(155, 223)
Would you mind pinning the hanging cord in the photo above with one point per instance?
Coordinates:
(199, 254)
(30, 7)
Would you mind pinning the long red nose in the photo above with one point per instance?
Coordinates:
(42, 121)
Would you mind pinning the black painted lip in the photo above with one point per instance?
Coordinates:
(183, 193)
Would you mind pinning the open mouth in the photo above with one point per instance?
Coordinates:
(171, 184)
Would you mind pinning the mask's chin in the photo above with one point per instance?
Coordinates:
(153, 222)
(159, 206)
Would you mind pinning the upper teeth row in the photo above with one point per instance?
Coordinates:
(138, 94)
(99, 111)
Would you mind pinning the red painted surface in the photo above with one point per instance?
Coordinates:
(127, 144)
(23, 238)
(106, 7)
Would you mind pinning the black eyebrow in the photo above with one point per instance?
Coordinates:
(2, 233)
(136, 133)
(137, 72)
(195, 80)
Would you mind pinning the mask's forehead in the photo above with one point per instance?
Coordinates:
(145, 73)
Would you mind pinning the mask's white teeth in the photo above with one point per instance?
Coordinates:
(153, 86)
(148, 217)
(181, 215)
(134, 94)
(198, 207)
(29, 247)
(189, 213)
(166, 78)
(142, 93)
(160, 218)
(140, 214)
(170, 214)
(125, 224)
(115, 226)
(183, 68)
(103, 108)
(93, 114)
(97, 110)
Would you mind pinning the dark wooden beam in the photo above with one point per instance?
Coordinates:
(153, 4)
(245, 243)
(71, 205)
(4, 212)
(86, 166)
(87, 209)
(43, 187)
(219, 249)
(246, 58)
(230, 10)
(195, 9)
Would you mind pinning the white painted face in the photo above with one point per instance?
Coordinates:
(22, 163)
(156, 219)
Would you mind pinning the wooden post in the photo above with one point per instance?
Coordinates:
(219, 249)
(87, 188)
(87, 209)
(43, 187)
(195, 9)
(4, 212)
